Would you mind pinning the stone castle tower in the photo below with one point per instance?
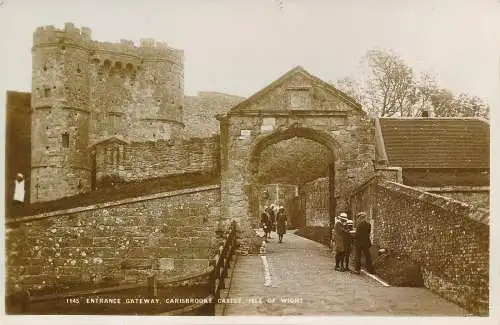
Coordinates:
(85, 91)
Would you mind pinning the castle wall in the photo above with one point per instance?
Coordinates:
(137, 101)
(142, 160)
(200, 111)
(84, 91)
(60, 118)
(118, 240)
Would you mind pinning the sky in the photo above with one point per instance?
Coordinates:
(240, 46)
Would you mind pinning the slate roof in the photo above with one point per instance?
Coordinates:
(436, 142)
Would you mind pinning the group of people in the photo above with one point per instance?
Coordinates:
(345, 238)
(273, 218)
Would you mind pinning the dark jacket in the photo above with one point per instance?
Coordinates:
(338, 229)
(264, 220)
(281, 223)
(362, 235)
(348, 239)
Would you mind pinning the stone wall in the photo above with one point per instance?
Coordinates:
(121, 240)
(448, 238)
(394, 174)
(478, 196)
(316, 201)
(142, 160)
(199, 112)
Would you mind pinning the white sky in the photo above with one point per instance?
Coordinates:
(240, 46)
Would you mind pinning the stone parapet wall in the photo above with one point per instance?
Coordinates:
(120, 241)
(143, 160)
(448, 238)
(478, 196)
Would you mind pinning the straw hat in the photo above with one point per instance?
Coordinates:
(361, 214)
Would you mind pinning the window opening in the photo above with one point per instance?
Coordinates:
(65, 140)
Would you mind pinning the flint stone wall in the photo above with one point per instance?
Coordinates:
(448, 238)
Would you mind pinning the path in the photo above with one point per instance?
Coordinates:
(302, 271)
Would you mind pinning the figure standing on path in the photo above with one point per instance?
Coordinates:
(338, 230)
(281, 223)
(272, 214)
(264, 222)
(362, 244)
(19, 191)
(348, 239)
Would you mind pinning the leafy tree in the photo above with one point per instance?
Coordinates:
(446, 104)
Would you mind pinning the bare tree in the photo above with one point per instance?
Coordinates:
(350, 87)
(390, 88)
(390, 84)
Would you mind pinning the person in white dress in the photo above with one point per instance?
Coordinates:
(19, 191)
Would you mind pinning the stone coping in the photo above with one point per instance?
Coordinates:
(477, 214)
(111, 204)
(454, 188)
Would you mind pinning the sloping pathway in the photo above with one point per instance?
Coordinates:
(300, 279)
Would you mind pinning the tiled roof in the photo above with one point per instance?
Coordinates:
(436, 142)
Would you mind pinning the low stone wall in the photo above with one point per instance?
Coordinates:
(173, 232)
(478, 196)
(450, 239)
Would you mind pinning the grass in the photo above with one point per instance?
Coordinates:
(119, 192)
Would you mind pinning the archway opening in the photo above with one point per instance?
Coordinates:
(295, 169)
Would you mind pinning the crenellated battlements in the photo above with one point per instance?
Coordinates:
(146, 49)
(51, 34)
